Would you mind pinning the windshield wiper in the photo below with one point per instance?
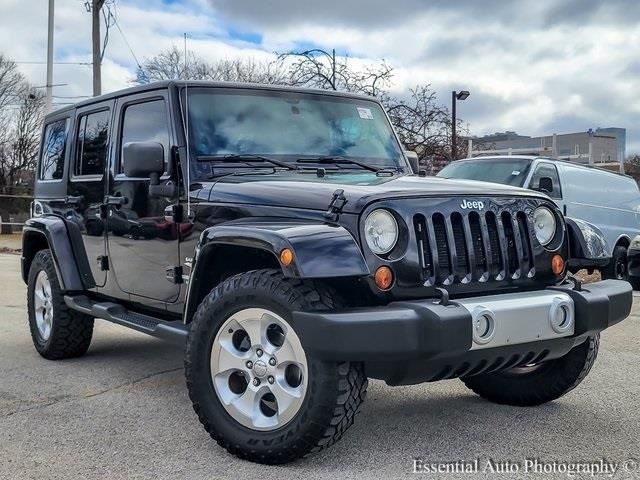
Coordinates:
(338, 159)
(245, 158)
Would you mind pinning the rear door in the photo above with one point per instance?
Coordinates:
(87, 181)
(143, 238)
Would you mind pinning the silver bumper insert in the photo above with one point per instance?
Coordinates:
(514, 318)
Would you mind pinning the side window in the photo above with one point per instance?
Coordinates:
(545, 170)
(53, 148)
(145, 122)
(93, 134)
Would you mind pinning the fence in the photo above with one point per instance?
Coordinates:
(14, 208)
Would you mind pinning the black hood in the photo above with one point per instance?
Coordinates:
(307, 190)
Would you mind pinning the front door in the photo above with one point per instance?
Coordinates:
(87, 182)
(549, 170)
(142, 236)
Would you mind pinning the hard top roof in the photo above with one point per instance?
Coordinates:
(551, 159)
(165, 84)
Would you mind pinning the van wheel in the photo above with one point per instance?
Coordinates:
(56, 330)
(617, 268)
(255, 389)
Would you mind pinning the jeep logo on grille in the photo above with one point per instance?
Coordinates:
(468, 204)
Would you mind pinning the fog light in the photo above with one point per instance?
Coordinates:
(484, 325)
(561, 315)
(383, 278)
(557, 264)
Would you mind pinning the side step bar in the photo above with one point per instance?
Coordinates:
(116, 313)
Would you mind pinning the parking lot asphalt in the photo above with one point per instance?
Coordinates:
(122, 411)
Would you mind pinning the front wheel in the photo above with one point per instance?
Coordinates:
(254, 388)
(617, 268)
(532, 385)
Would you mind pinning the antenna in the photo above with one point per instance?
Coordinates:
(186, 123)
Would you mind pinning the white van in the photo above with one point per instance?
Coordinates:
(608, 200)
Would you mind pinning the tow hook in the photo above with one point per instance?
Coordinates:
(577, 284)
(444, 297)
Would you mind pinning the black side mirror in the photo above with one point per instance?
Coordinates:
(413, 160)
(545, 185)
(143, 159)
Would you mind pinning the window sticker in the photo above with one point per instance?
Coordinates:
(365, 113)
(515, 173)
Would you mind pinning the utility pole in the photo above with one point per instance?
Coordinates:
(333, 68)
(96, 7)
(49, 84)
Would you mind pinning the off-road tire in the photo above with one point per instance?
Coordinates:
(71, 331)
(617, 267)
(550, 381)
(334, 393)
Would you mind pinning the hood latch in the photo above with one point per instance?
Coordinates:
(337, 203)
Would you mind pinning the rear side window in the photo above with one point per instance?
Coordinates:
(145, 122)
(53, 148)
(550, 171)
(91, 152)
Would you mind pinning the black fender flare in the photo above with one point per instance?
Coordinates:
(319, 250)
(587, 244)
(64, 239)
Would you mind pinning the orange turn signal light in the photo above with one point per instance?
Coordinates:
(557, 264)
(286, 257)
(384, 278)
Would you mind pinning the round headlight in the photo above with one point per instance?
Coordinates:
(381, 231)
(544, 223)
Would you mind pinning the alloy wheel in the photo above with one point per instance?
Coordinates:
(43, 305)
(259, 369)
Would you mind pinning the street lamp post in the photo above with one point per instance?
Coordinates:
(455, 96)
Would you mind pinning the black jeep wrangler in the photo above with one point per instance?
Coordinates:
(287, 238)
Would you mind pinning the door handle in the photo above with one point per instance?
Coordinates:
(115, 201)
(76, 201)
(173, 213)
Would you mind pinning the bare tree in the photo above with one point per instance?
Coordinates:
(11, 82)
(320, 69)
(21, 112)
(170, 65)
(422, 124)
(18, 167)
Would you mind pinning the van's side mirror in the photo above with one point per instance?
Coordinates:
(143, 160)
(413, 160)
(545, 185)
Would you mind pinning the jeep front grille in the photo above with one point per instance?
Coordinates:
(467, 247)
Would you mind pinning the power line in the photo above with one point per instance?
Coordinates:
(26, 62)
(117, 24)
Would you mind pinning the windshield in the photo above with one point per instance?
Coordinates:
(508, 171)
(289, 126)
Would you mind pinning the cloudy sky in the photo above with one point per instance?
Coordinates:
(533, 66)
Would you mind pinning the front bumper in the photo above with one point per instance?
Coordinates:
(417, 341)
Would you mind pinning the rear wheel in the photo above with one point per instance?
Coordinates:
(532, 385)
(254, 388)
(56, 330)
